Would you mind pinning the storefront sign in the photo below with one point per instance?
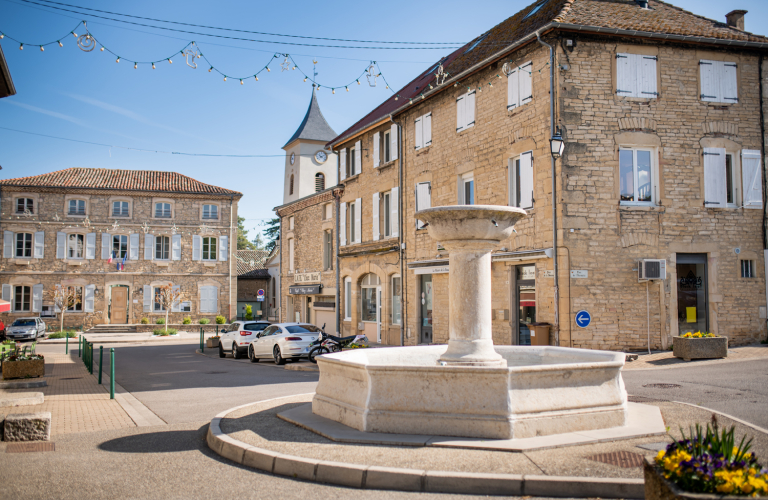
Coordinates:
(431, 270)
(528, 273)
(305, 290)
(306, 277)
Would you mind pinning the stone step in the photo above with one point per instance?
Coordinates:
(11, 399)
(27, 427)
(25, 384)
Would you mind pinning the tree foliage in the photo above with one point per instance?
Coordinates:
(271, 232)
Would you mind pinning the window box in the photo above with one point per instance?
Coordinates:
(27, 368)
(688, 348)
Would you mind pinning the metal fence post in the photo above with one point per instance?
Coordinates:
(90, 357)
(111, 373)
(79, 345)
(101, 361)
(202, 340)
(66, 344)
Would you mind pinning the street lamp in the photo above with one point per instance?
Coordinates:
(556, 145)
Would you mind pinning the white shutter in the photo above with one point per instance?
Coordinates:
(39, 245)
(525, 86)
(147, 298)
(428, 129)
(358, 220)
(8, 245)
(710, 90)
(37, 298)
(714, 178)
(88, 298)
(223, 248)
(7, 292)
(513, 92)
(149, 247)
(343, 163)
(61, 245)
(176, 306)
(197, 247)
(393, 142)
(460, 113)
(358, 158)
(751, 178)
(469, 109)
(90, 246)
(213, 299)
(729, 89)
(526, 180)
(423, 199)
(176, 247)
(419, 126)
(393, 208)
(375, 218)
(648, 87)
(106, 249)
(376, 160)
(343, 224)
(626, 75)
(133, 253)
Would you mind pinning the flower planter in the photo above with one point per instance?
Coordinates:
(658, 488)
(689, 348)
(211, 343)
(27, 368)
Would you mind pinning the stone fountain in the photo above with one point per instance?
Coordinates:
(472, 388)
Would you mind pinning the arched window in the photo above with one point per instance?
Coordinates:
(291, 188)
(319, 182)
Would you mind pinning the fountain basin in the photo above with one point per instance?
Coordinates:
(542, 391)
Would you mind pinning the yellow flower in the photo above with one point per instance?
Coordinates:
(660, 455)
(725, 488)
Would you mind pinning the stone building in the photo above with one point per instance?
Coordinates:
(274, 291)
(6, 83)
(661, 115)
(114, 236)
(252, 278)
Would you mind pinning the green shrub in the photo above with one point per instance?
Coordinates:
(220, 320)
(144, 321)
(186, 321)
(204, 321)
(160, 321)
(60, 335)
(162, 332)
(248, 312)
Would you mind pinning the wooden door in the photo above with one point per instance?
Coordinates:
(119, 305)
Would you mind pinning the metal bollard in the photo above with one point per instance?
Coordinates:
(66, 344)
(202, 340)
(79, 345)
(111, 373)
(90, 357)
(101, 361)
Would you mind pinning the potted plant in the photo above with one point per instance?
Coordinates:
(23, 366)
(699, 345)
(706, 464)
(212, 342)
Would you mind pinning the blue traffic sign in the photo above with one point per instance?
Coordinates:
(583, 319)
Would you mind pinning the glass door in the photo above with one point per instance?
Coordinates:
(692, 300)
(425, 329)
(526, 302)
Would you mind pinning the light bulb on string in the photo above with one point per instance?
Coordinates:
(396, 97)
(2, 35)
(256, 77)
(118, 60)
(210, 69)
(387, 86)
(241, 82)
(42, 49)
(225, 78)
(293, 68)
(60, 44)
(268, 69)
(358, 82)
(347, 88)
(102, 49)
(74, 34)
(169, 61)
(333, 91)
(305, 78)
(21, 46)
(135, 66)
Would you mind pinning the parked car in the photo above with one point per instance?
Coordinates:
(283, 341)
(26, 328)
(236, 337)
(2, 330)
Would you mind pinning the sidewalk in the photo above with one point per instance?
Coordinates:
(665, 359)
(112, 338)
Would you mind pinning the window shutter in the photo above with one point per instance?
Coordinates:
(8, 245)
(626, 75)
(223, 248)
(147, 298)
(176, 247)
(358, 220)
(460, 113)
(358, 158)
(203, 307)
(88, 298)
(525, 86)
(729, 89)
(343, 224)
(648, 86)
(90, 246)
(460, 189)
(714, 178)
(105, 246)
(149, 247)
(393, 208)
(513, 92)
(427, 134)
(176, 306)
(375, 218)
(213, 299)
(56, 307)
(419, 126)
(7, 293)
(469, 109)
(61, 245)
(423, 199)
(751, 179)
(393, 142)
(39, 245)
(291, 266)
(343, 163)
(376, 159)
(133, 253)
(709, 88)
(37, 298)
(526, 180)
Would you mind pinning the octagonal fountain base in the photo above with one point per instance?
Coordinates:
(541, 391)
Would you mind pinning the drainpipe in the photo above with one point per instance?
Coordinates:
(554, 184)
(400, 235)
(337, 197)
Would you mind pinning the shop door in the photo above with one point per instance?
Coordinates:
(692, 300)
(119, 311)
(425, 330)
(308, 317)
(525, 298)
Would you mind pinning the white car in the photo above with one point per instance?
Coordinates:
(236, 337)
(26, 328)
(283, 341)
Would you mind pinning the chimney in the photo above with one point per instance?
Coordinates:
(735, 19)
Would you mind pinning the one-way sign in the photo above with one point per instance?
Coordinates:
(583, 319)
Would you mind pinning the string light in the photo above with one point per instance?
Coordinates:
(225, 78)
(169, 61)
(241, 82)
(42, 49)
(118, 60)
(333, 91)
(21, 46)
(135, 66)
(102, 49)
(153, 65)
(305, 78)
(60, 44)
(347, 88)
(256, 77)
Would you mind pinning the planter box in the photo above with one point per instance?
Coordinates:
(703, 348)
(23, 369)
(211, 343)
(658, 488)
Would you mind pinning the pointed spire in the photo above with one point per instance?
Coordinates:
(313, 127)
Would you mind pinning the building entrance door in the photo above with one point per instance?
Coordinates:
(692, 300)
(425, 329)
(119, 306)
(525, 303)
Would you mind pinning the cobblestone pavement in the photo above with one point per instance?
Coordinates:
(663, 359)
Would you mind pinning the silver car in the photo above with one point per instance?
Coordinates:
(26, 328)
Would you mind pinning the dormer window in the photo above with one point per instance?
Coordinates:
(25, 204)
(76, 207)
(163, 210)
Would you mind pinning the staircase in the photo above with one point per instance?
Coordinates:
(111, 329)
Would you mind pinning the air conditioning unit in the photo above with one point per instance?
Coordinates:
(652, 269)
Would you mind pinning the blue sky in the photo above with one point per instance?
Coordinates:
(88, 96)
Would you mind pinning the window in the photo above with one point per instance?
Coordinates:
(719, 178)
(24, 204)
(423, 127)
(467, 189)
(119, 246)
(319, 182)
(291, 186)
(347, 299)
(23, 244)
(163, 247)
(120, 209)
(291, 266)
(290, 223)
(476, 42)
(747, 268)
(387, 147)
(521, 181)
(77, 303)
(386, 209)
(328, 211)
(158, 305)
(327, 250)
(76, 207)
(718, 81)
(730, 194)
(163, 210)
(210, 212)
(369, 297)
(423, 199)
(535, 9)
(75, 244)
(465, 111)
(636, 178)
(636, 75)
(352, 164)
(396, 293)
(519, 88)
(22, 298)
(209, 248)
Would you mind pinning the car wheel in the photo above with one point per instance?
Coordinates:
(251, 355)
(221, 351)
(279, 360)
(235, 352)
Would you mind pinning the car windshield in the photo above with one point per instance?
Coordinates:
(24, 322)
(256, 327)
(302, 329)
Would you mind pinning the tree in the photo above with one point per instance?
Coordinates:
(258, 242)
(242, 236)
(272, 233)
(167, 297)
(66, 297)
(248, 312)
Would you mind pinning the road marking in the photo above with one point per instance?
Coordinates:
(743, 422)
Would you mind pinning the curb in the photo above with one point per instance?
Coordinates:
(23, 385)
(388, 478)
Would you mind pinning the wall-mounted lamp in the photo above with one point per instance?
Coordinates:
(556, 145)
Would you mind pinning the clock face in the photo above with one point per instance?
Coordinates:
(320, 156)
(293, 158)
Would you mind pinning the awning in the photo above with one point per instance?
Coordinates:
(304, 290)
(5, 306)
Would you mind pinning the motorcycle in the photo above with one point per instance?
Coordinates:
(327, 343)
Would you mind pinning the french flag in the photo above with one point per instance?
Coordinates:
(110, 257)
